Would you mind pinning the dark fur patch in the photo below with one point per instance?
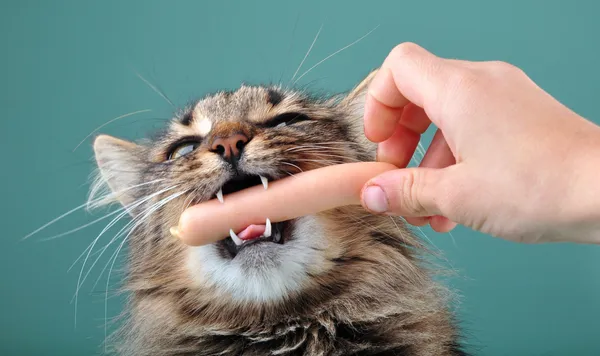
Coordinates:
(187, 118)
(274, 97)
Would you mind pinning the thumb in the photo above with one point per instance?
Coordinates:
(408, 192)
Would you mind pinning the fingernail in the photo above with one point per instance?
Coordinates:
(375, 199)
(174, 230)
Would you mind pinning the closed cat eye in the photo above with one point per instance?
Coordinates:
(183, 149)
(287, 119)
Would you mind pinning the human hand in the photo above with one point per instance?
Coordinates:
(507, 159)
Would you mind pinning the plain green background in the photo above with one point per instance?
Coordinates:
(68, 67)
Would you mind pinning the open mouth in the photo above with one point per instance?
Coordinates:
(256, 233)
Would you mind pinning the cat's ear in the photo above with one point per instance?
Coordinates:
(356, 98)
(119, 165)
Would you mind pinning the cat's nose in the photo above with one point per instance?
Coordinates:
(230, 148)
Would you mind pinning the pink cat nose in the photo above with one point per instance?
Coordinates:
(230, 148)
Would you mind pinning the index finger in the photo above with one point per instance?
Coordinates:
(408, 74)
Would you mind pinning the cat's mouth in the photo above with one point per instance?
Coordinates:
(252, 234)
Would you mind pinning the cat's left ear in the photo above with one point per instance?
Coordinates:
(120, 166)
(356, 98)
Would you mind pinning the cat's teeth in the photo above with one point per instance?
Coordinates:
(277, 237)
(267, 228)
(264, 181)
(235, 238)
(220, 195)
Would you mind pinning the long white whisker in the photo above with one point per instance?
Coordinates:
(110, 121)
(315, 148)
(290, 48)
(156, 90)
(114, 221)
(307, 53)
(82, 226)
(57, 219)
(80, 257)
(333, 54)
(293, 165)
(324, 161)
(420, 150)
(81, 207)
(116, 255)
(138, 220)
(135, 221)
(156, 207)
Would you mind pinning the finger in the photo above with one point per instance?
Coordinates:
(441, 224)
(408, 192)
(438, 154)
(409, 73)
(322, 189)
(399, 149)
(417, 221)
(383, 107)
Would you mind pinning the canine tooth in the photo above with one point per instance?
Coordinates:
(277, 237)
(235, 238)
(264, 181)
(220, 195)
(268, 228)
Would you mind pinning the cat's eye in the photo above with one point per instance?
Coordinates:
(287, 119)
(183, 149)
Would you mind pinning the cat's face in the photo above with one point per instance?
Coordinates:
(227, 142)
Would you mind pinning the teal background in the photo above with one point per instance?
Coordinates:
(67, 67)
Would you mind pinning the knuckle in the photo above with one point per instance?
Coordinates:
(503, 69)
(412, 190)
(405, 50)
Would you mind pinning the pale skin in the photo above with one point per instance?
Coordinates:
(507, 159)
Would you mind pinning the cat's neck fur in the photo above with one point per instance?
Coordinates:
(373, 308)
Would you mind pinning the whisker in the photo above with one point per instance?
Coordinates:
(420, 150)
(333, 54)
(135, 222)
(159, 92)
(328, 161)
(314, 148)
(293, 165)
(80, 257)
(106, 293)
(114, 221)
(82, 226)
(79, 208)
(156, 207)
(120, 231)
(107, 123)
(307, 52)
(452, 237)
(100, 184)
(290, 48)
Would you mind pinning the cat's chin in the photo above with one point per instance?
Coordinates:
(263, 270)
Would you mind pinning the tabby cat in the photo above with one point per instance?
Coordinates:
(341, 282)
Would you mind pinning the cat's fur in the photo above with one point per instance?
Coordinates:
(345, 282)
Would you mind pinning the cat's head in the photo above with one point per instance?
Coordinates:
(227, 142)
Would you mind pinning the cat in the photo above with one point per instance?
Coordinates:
(341, 282)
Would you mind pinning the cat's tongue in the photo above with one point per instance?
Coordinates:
(252, 232)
